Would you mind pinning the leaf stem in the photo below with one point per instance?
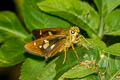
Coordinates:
(101, 27)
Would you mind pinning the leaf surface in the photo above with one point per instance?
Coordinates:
(112, 23)
(12, 52)
(77, 12)
(114, 49)
(30, 69)
(10, 26)
(36, 19)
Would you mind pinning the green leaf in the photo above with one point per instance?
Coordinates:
(113, 71)
(11, 52)
(98, 44)
(49, 72)
(106, 6)
(78, 72)
(55, 68)
(34, 18)
(99, 4)
(30, 69)
(90, 77)
(75, 11)
(114, 49)
(112, 26)
(107, 61)
(71, 60)
(12, 36)
(109, 71)
(10, 26)
(10, 49)
(103, 62)
(7, 63)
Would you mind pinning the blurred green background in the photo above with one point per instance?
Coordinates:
(9, 73)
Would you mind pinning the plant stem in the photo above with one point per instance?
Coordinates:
(101, 27)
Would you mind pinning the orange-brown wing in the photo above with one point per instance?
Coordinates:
(58, 46)
(38, 33)
(36, 47)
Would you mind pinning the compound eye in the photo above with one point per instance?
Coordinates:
(72, 32)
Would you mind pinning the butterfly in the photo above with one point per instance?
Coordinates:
(49, 42)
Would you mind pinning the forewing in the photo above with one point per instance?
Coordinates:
(40, 47)
(33, 47)
(39, 33)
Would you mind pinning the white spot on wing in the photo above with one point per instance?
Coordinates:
(40, 32)
(46, 41)
(40, 46)
(45, 45)
(52, 46)
(50, 33)
(34, 43)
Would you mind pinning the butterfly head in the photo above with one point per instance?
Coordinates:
(74, 31)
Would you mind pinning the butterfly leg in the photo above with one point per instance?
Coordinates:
(74, 51)
(46, 58)
(64, 55)
(80, 43)
(85, 39)
(83, 45)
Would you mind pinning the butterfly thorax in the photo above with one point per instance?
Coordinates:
(71, 36)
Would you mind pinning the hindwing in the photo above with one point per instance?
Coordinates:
(39, 33)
